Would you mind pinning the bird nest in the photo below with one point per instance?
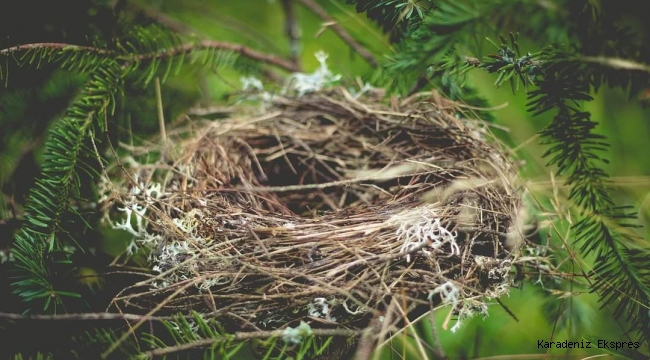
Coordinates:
(328, 208)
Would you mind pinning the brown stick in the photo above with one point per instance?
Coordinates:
(245, 336)
(201, 45)
(291, 30)
(360, 49)
(366, 347)
(438, 350)
(181, 28)
(161, 115)
(51, 46)
(81, 317)
(220, 45)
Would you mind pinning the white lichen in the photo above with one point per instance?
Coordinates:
(294, 336)
(213, 281)
(191, 323)
(320, 308)
(298, 83)
(251, 83)
(303, 83)
(188, 223)
(469, 309)
(421, 229)
(351, 311)
(449, 293)
(134, 208)
(174, 253)
(162, 284)
(6, 255)
(364, 89)
(148, 239)
(127, 223)
(132, 247)
(154, 191)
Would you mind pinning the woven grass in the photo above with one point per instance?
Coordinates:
(328, 209)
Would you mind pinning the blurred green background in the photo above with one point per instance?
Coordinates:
(33, 97)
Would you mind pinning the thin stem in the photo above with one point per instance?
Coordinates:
(220, 45)
(292, 30)
(242, 336)
(437, 345)
(183, 49)
(82, 317)
(52, 46)
(161, 115)
(338, 29)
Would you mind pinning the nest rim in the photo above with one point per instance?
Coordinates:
(251, 224)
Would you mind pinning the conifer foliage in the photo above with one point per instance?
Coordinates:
(559, 80)
(435, 44)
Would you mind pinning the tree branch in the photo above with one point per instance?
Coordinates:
(292, 30)
(220, 45)
(81, 317)
(616, 63)
(201, 45)
(53, 46)
(360, 49)
(240, 336)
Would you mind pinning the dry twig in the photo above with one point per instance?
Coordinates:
(338, 29)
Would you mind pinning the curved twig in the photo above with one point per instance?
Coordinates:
(338, 29)
(220, 45)
(82, 316)
(186, 48)
(240, 336)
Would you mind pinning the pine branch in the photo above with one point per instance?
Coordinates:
(563, 81)
(574, 149)
(57, 48)
(219, 45)
(430, 49)
(396, 17)
(38, 245)
(627, 74)
(617, 63)
(38, 356)
(199, 333)
(243, 336)
(451, 27)
(40, 248)
(82, 317)
(10, 51)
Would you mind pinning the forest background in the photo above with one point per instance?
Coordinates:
(32, 98)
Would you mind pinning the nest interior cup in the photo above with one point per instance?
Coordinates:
(329, 208)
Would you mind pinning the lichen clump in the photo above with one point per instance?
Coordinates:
(329, 208)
